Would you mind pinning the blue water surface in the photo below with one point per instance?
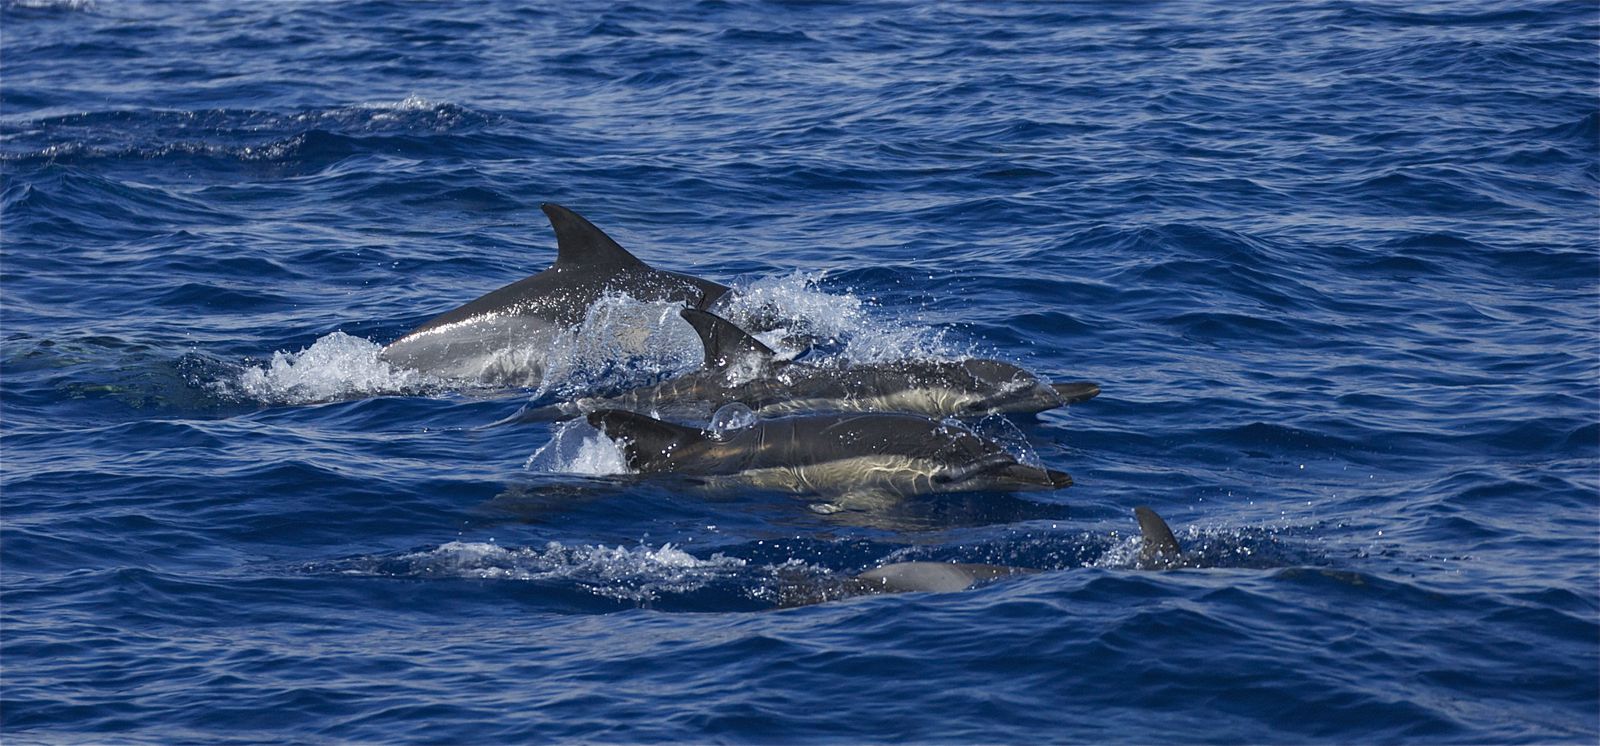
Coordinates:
(1334, 264)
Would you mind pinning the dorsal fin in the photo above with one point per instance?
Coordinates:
(1160, 549)
(580, 244)
(726, 344)
(648, 443)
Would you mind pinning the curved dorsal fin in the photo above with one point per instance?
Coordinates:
(1160, 549)
(580, 244)
(725, 343)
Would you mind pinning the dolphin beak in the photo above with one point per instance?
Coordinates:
(1021, 476)
(1025, 400)
(1047, 479)
(1076, 391)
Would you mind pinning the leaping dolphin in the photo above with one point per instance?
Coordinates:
(739, 368)
(862, 455)
(468, 342)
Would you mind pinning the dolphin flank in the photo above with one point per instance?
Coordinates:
(739, 368)
(471, 342)
(832, 454)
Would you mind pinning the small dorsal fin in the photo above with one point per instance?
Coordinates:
(1160, 549)
(580, 244)
(725, 344)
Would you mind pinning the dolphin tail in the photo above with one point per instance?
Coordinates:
(725, 343)
(1160, 550)
(1076, 391)
(647, 443)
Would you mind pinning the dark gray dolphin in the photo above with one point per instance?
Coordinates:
(1159, 550)
(739, 368)
(830, 454)
(470, 342)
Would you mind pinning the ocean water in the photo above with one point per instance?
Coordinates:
(1335, 265)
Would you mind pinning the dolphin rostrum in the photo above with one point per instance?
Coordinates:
(471, 342)
(739, 368)
(831, 454)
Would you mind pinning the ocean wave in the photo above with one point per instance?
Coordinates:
(636, 574)
(309, 136)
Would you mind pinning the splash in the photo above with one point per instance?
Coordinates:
(337, 366)
(800, 314)
(1238, 548)
(1001, 431)
(621, 342)
(578, 449)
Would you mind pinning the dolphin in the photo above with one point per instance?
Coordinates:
(471, 342)
(1159, 550)
(864, 455)
(930, 577)
(739, 368)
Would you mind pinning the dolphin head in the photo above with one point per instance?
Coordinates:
(1000, 472)
(970, 462)
(995, 387)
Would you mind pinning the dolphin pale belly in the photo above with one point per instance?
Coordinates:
(739, 368)
(829, 454)
(503, 336)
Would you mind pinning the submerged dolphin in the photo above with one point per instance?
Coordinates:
(469, 342)
(739, 368)
(1159, 550)
(833, 454)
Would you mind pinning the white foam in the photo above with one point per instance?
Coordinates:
(577, 448)
(412, 102)
(337, 366)
(804, 309)
(411, 111)
(629, 574)
(76, 5)
(621, 342)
